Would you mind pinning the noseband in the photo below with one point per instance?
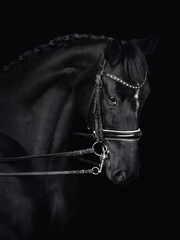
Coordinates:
(129, 136)
(100, 134)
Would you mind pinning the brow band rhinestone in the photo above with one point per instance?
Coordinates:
(113, 77)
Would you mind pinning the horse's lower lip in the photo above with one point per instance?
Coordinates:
(121, 183)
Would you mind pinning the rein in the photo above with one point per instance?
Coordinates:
(99, 133)
(94, 170)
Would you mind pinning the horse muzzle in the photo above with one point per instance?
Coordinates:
(122, 163)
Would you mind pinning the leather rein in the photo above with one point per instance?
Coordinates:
(100, 134)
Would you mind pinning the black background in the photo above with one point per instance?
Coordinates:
(144, 208)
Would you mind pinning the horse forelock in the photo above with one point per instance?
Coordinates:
(135, 64)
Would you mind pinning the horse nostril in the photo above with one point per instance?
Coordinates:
(120, 176)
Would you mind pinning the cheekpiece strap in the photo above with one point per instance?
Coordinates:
(97, 105)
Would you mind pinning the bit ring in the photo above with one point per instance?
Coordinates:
(93, 147)
(95, 170)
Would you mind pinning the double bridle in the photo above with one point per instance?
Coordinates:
(100, 134)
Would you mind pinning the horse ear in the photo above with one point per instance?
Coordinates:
(113, 52)
(148, 44)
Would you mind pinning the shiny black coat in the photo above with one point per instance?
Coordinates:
(41, 96)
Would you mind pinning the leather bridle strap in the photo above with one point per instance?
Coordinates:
(50, 155)
(133, 135)
(97, 106)
(49, 173)
(94, 170)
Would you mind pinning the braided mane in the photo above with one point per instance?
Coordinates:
(60, 41)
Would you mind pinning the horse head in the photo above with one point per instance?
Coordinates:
(115, 104)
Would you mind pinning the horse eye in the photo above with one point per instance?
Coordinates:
(112, 100)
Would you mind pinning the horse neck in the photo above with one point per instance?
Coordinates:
(42, 99)
(64, 124)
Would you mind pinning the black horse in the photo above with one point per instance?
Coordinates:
(42, 96)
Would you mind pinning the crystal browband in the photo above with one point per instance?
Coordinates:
(113, 77)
